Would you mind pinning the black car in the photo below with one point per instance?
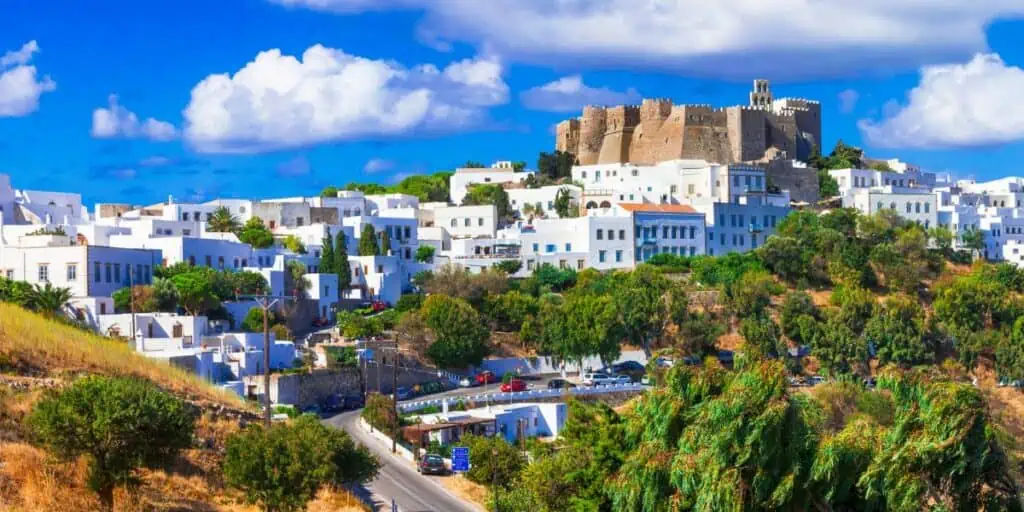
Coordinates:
(432, 464)
(560, 384)
(334, 403)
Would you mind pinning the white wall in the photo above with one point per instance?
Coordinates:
(467, 221)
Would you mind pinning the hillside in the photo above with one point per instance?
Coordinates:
(37, 353)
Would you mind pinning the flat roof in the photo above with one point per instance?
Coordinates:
(657, 208)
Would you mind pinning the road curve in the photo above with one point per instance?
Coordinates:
(398, 478)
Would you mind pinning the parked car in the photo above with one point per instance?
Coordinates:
(664, 362)
(403, 393)
(467, 382)
(816, 379)
(603, 379)
(633, 369)
(560, 384)
(433, 465)
(486, 377)
(378, 306)
(513, 386)
(354, 402)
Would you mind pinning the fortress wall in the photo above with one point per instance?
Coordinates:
(593, 126)
(567, 136)
(782, 133)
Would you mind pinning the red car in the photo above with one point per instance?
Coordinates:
(513, 385)
(486, 378)
(378, 306)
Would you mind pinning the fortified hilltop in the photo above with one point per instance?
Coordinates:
(657, 130)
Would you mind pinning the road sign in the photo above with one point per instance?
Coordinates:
(460, 459)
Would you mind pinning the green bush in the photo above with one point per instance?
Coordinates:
(120, 424)
(492, 459)
(283, 467)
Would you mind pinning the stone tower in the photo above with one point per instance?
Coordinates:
(761, 96)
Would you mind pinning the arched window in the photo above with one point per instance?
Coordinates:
(605, 204)
(591, 204)
(892, 206)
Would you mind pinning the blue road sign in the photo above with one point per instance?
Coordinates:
(460, 459)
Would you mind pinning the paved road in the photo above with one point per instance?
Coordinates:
(398, 478)
(532, 382)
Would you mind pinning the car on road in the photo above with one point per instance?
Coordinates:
(404, 393)
(334, 403)
(633, 369)
(513, 386)
(432, 464)
(467, 382)
(486, 377)
(560, 384)
(604, 379)
(378, 306)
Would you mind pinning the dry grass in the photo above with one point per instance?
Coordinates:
(462, 488)
(31, 482)
(45, 347)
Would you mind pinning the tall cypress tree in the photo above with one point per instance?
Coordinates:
(327, 263)
(368, 242)
(341, 262)
(385, 243)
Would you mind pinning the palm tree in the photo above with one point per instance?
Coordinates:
(974, 240)
(221, 221)
(49, 299)
(297, 276)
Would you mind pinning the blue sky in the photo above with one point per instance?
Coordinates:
(419, 86)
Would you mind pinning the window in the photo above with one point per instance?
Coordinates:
(236, 260)
(298, 221)
(186, 232)
(529, 264)
(184, 216)
(96, 271)
(675, 232)
(580, 264)
(721, 219)
(618, 256)
(622, 234)
(407, 232)
(693, 232)
(568, 247)
(466, 222)
(209, 260)
(664, 232)
(601, 256)
(107, 271)
(44, 272)
(600, 234)
(908, 207)
(549, 248)
(611, 234)
(638, 230)
(562, 264)
(479, 221)
(535, 247)
(455, 223)
(147, 277)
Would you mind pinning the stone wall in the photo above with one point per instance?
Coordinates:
(802, 182)
(657, 130)
(304, 389)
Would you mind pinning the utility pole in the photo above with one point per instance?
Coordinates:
(494, 477)
(394, 393)
(265, 302)
(131, 301)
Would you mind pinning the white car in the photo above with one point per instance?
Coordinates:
(603, 379)
(466, 382)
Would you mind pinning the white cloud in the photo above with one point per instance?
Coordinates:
(20, 89)
(848, 100)
(376, 165)
(570, 94)
(955, 105)
(728, 38)
(118, 121)
(280, 101)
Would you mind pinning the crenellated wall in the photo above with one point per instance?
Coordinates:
(657, 130)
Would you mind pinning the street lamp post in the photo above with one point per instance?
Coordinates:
(494, 476)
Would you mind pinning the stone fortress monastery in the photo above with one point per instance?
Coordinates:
(658, 131)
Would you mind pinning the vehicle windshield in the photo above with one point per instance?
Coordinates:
(434, 459)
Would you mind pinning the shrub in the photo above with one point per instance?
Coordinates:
(283, 467)
(120, 424)
(493, 460)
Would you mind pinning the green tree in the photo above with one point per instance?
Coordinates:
(282, 468)
(295, 278)
(329, 191)
(425, 253)
(221, 221)
(556, 165)
(563, 203)
(752, 294)
(253, 321)
(328, 265)
(856, 306)
(195, 291)
(48, 299)
(165, 295)
(385, 243)
(294, 244)
(1010, 353)
(942, 238)
(794, 306)
(640, 299)
(508, 311)
(460, 337)
(368, 241)
(880, 166)
(409, 302)
(827, 185)
(763, 335)
(509, 267)
(697, 335)
(257, 235)
(493, 460)
(379, 412)
(899, 333)
(584, 325)
(120, 424)
(903, 262)
(838, 349)
(518, 166)
(341, 263)
(473, 164)
(493, 194)
(973, 240)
